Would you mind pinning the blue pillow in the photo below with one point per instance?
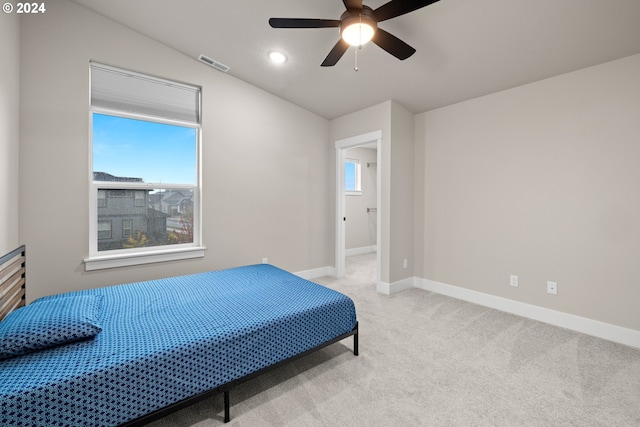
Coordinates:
(50, 322)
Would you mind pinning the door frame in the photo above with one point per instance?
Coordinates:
(341, 145)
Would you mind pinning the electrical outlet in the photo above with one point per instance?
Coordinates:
(265, 260)
(405, 264)
(552, 288)
(513, 280)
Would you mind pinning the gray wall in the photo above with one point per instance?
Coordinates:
(264, 160)
(9, 123)
(540, 181)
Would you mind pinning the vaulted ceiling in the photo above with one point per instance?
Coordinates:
(465, 48)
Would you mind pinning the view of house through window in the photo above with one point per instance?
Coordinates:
(129, 154)
(145, 165)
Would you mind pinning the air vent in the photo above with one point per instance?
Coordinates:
(213, 63)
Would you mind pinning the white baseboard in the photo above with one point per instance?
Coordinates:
(607, 331)
(359, 251)
(317, 272)
(619, 334)
(395, 287)
(401, 285)
(383, 288)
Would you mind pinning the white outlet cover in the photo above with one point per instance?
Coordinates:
(513, 280)
(552, 288)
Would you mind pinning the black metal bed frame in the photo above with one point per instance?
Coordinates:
(13, 267)
(226, 388)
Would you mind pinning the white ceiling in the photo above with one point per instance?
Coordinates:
(465, 48)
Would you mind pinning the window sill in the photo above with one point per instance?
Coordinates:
(124, 260)
(353, 193)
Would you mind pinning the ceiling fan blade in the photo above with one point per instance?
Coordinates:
(352, 4)
(392, 44)
(303, 23)
(336, 53)
(399, 7)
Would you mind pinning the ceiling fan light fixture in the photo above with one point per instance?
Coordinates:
(358, 34)
(358, 28)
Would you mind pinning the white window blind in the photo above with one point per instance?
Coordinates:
(122, 90)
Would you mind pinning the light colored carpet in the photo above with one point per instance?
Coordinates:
(430, 360)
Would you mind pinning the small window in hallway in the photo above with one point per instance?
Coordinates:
(352, 185)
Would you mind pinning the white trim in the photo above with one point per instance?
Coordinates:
(123, 260)
(395, 287)
(340, 203)
(316, 272)
(144, 117)
(117, 185)
(360, 251)
(607, 331)
(379, 224)
(383, 287)
(354, 141)
(375, 136)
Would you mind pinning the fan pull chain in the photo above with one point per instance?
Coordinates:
(355, 68)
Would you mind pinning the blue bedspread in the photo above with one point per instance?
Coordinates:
(170, 339)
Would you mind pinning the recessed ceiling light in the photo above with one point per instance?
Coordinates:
(277, 57)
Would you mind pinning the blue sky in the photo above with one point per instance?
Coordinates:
(157, 153)
(349, 176)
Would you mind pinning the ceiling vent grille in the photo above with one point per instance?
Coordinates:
(213, 63)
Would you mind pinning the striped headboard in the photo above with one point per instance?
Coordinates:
(13, 268)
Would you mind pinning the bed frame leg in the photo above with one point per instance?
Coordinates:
(355, 341)
(227, 411)
(227, 415)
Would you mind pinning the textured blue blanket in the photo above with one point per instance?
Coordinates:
(166, 340)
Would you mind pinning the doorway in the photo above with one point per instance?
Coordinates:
(373, 140)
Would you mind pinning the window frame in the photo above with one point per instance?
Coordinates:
(135, 256)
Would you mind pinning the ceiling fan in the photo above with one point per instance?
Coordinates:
(359, 25)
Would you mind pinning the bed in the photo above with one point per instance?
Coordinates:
(140, 351)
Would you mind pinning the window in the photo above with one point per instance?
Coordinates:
(145, 143)
(127, 226)
(352, 184)
(140, 199)
(104, 229)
